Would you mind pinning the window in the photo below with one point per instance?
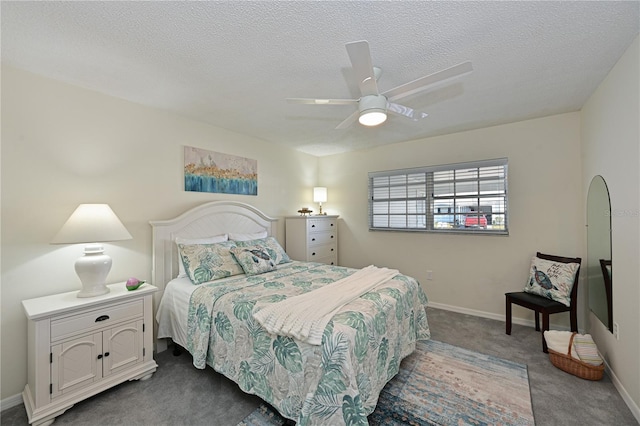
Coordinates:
(464, 197)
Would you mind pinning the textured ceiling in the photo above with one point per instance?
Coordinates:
(232, 64)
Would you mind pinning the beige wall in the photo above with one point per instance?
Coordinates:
(611, 148)
(62, 146)
(471, 273)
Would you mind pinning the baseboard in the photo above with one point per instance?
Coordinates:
(489, 315)
(635, 410)
(10, 402)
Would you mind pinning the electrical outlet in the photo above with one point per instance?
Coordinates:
(429, 275)
(616, 331)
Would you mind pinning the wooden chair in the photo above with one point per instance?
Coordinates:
(544, 306)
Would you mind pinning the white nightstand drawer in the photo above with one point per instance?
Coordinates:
(95, 319)
(321, 251)
(319, 225)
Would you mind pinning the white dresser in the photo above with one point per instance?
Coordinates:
(312, 238)
(78, 347)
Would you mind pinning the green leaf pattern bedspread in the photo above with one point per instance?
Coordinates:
(335, 383)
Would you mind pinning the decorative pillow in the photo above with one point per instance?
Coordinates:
(253, 259)
(208, 240)
(275, 250)
(208, 262)
(552, 280)
(247, 237)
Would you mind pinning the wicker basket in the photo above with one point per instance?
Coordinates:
(574, 366)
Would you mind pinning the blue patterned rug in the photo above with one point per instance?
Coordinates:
(441, 384)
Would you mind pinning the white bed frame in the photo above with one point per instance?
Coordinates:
(206, 220)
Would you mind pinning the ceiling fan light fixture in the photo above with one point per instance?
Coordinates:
(372, 117)
(373, 110)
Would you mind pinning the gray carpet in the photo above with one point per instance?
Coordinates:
(178, 394)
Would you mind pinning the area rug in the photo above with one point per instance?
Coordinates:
(441, 384)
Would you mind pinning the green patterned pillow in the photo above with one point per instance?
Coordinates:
(271, 245)
(208, 262)
(552, 280)
(253, 259)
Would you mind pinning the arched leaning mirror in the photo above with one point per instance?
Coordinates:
(599, 265)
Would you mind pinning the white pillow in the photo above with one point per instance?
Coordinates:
(247, 237)
(188, 241)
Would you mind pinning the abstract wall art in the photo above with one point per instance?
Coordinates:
(210, 171)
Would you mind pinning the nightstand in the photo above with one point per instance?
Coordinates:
(78, 347)
(312, 238)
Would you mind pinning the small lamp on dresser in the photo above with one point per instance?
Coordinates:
(92, 224)
(320, 196)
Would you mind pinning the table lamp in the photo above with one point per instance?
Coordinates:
(92, 224)
(320, 196)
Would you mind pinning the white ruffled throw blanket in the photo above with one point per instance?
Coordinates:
(305, 317)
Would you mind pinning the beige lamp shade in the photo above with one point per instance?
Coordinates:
(92, 224)
(320, 196)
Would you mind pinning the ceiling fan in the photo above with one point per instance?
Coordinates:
(373, 106)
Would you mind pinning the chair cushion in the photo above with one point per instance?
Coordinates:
(553, 280)
(527, 299)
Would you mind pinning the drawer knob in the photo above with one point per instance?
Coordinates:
(102, 318)
(313, 226)
(332, 224)
(106, 354)
(313, 254)
(313, 239)
(332, 236)
(100, 356)
(331, 249)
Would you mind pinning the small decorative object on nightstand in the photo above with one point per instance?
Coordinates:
(312, 238)
(304, 211)
(80, 347)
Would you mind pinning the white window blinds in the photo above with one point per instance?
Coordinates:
(463, 197)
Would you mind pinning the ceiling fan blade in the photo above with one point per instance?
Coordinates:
(348, 121)
(423, 83)
(311, 101)
(405, 111)
(360, 57)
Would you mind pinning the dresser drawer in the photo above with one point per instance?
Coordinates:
(63, 327)
(319, 225)
(322, 238)
(318, 252)
(331, 260)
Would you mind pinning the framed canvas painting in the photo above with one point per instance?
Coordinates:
(210, 171)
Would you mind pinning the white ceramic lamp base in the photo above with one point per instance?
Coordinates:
(93, 268)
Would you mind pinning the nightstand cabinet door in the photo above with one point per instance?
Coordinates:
(75, 364)
(312, 238)
(123, 347)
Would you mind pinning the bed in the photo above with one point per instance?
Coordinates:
(336, 380)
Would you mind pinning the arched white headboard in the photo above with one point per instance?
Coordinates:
(206, 220)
